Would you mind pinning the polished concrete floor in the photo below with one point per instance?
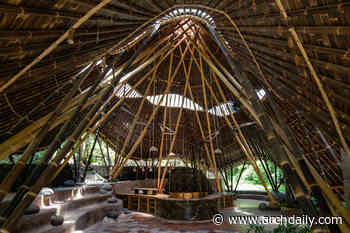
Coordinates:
(135, 222)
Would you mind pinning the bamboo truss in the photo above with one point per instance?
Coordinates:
(301, 124)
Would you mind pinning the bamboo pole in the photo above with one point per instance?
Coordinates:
(230, 87)
(27, 194)
(16, 10)
(316, 78)
(198, 117)
(88, 162)
(136, 117)
(19, 140)
(343, 227)
(274, 143)
(244, 146)
(67, 33)
(209, 127)
(164, 123)
(104, 117)
(76, 25)
(30, 150)
(249, 153)
(176, 127)
(140, 138)
(169, 52)
(17, 208)
(329, 193)
(291, 157)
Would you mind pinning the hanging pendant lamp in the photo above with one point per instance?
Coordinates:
(218, 151)
(153, 149)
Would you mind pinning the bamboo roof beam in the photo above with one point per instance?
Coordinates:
(335, 30)
(319, 116)
(67, 33)
(135, 7)
(19, 10)
(63, 63)
(298, 59)
(20, 49)
(17, 35)
(321, 88)
(302, 92)
(269, 9)
(53, 46)
(115, 10)
(263, 60)
(11, 145)
(269, 42)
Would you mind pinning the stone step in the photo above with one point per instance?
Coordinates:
(79, 219)
(67, 209)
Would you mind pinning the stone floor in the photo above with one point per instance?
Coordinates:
(136, 222)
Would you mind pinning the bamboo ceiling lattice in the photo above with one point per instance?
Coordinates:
(130, 69)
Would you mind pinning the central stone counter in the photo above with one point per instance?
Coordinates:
(167, 207)
(193, 209)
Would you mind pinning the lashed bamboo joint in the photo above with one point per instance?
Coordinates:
(213, 85)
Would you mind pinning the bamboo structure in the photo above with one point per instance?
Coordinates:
(218, 83)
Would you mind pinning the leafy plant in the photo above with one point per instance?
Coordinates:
(305, 229)
(283, 228)
(292, 228)
(256, 229)
(289, 204)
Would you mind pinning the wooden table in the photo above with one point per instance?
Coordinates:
(148, 191)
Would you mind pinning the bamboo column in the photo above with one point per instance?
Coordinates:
(15, 210)
(30, 150)
(99, 122)
(131, 128)
(198, 118)
(245, 146)
(26, 193)
(230, 87)
(274, 143)
(209, 127)
(140, 138)
(176, 128)
(329, 193)
(19, 140)
(163, 125)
